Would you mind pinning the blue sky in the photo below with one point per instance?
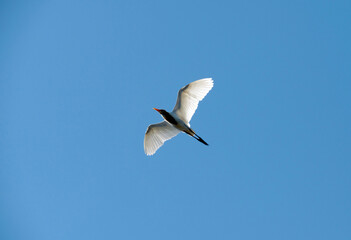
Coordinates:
(79, 79)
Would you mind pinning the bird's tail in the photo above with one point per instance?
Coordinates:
(200, 139)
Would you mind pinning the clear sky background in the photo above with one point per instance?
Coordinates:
(79, 79)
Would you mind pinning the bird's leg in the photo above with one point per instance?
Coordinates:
(199, 139)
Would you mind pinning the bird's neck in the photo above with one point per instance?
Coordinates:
(169, 118)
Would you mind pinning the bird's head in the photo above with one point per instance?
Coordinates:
(166, 116)
(160, 111)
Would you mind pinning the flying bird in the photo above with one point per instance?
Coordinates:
(178, 120)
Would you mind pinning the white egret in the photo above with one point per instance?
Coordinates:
(178, 120)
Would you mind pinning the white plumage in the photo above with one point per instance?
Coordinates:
(190, 96)
(177, 120)
(157, 134)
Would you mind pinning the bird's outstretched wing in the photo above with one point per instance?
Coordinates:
(190, 96)
(156, 135)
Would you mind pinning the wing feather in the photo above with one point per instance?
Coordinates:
(156, 135)
(190, 96)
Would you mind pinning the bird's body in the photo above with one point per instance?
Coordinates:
(178, 120)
